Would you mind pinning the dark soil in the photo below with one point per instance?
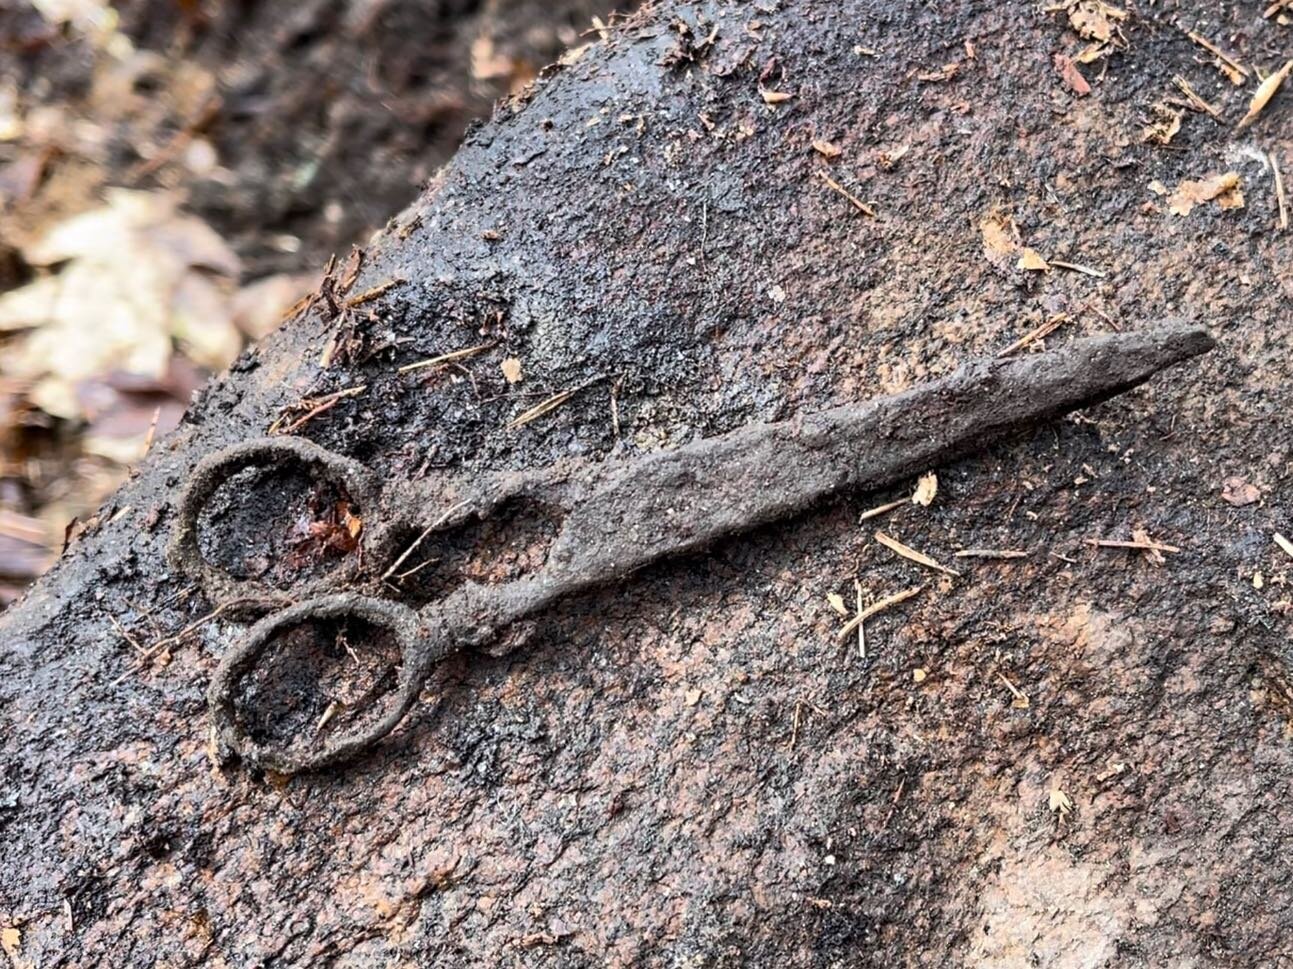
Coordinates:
(688, 769)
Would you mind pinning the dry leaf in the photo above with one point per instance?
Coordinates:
(1060, 802)
(826, 149)
(511, 370)
(837, 603)
(124, 284)
(1224, 189)
(1265, 91)
(1032, 261)
(1071, 75)
(1000, 238)
(1093, 20)
(926, 489)
(1165, 127)
(1238, 492)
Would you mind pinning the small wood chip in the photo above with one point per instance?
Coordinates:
(444, 358)
(511, 370)
(1265, 91)
(774, 97)
(990, 553)
(857, 202)
(926, 490)
(1032, 261)
(1284, 543)
(907, 552)
(878, 607)
(826, 149)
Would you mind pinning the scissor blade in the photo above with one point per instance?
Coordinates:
(680, 501)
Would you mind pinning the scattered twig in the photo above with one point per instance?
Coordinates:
(989, 553)
(1037, 333)
(162, 644)
(1195, 99)
(152, 429)
(882, 509)
(907, 552)
(1279, 190)
(444, 358)
(1229, 66)
(1021, 701)
(893, 806)
(878, 607)
(1284, 543)
(549, 405)
(206, 113)
(368, 295)
(315, 406)
(857, 202)
(857, 588)
(615, 407)
(419, 540)
(1144, 546)
(1078, 268)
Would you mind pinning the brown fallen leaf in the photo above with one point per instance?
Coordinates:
(1071, 76)
(1239, 492)
(1001, 242)
(1224, 189)
(1265, 91)
(1094, 20)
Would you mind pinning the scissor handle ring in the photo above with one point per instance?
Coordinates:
(414, 635)
(185, 554)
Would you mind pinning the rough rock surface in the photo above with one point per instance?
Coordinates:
(688, 769)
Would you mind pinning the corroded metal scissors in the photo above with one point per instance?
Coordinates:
(608, 519)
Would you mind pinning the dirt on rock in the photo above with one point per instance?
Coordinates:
(1079, 757)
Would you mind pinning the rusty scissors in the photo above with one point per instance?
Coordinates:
(605, 520)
